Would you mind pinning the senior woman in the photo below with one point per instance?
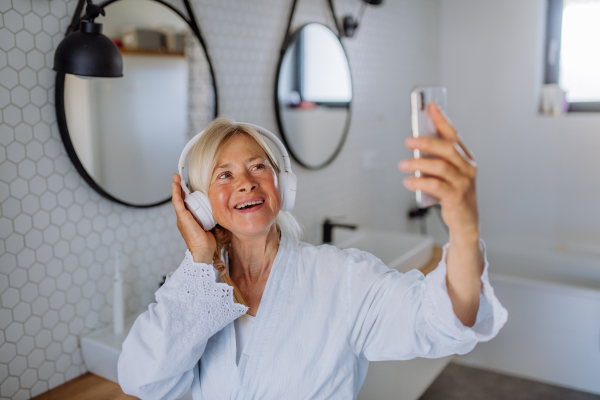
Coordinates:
(315, 315)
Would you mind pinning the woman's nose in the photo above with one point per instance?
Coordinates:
(247, 184)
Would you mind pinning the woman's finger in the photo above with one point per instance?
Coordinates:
(433, 186)
(447, 130)
(442, 123)
(177, 197)
(437, 168)
(445, 149)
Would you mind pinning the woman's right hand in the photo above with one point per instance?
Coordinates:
(201, 244)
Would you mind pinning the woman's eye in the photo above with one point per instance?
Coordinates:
(223, 175)
(260, 166)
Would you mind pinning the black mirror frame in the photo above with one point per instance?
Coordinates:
(288, 40)
(59, 97)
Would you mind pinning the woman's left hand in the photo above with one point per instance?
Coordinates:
(451, 176)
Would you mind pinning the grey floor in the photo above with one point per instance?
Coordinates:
(457, 382)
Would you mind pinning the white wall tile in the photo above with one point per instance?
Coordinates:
(33, 23)
(35, 359)
(13, 21)
(14, 243)
(10, 298)
(31, 113)
(12, 115)
(9, 387)
(22, 7)
(17, 279)
(33, 326)
(28, 378)
(26, 169)
(29, 292)
(26, 257)
(19, 96)
(23, 132)
(40, 387)
(3, 282)
(16, 59)
(40, 305)
(24, 41)
(7, 352)
(23, 222)
(50, 318)
(25, 345)
(17, 365)
(4, 97)
(46, 370)
(13, 333)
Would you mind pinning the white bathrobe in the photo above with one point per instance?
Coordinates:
(324, 314)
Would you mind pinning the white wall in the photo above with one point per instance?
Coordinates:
(538, 186)
(538, 183)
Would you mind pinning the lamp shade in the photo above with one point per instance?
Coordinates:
(87, 52)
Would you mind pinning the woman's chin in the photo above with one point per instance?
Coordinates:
(251, 226)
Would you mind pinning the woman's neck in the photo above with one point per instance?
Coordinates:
(251, 258)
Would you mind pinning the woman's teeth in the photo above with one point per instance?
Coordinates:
(250, 203)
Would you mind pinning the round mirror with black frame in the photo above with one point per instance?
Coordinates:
(125, 135)
(313, 95)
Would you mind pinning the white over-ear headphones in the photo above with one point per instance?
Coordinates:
(197, 202)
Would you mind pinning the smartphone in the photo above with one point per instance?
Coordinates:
(422, 125)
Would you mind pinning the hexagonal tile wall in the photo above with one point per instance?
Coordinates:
(56, 234)
(58, 237)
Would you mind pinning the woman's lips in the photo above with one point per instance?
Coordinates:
(250, 209)
(250, 200)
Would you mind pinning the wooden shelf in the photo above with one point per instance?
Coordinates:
(148, 52)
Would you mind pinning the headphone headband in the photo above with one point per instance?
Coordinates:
(266, 133)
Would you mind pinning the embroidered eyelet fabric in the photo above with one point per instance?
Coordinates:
(198, 305)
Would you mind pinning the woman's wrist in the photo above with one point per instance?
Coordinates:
(202, 256)
(464, 238)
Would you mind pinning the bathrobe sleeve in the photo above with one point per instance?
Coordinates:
(164, 345)
(395, 316)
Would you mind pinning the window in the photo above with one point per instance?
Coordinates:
(572, 51)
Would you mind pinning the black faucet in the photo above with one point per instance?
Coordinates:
(328, 228)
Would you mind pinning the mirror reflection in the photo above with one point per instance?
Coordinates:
(314, 92)
(128, 132)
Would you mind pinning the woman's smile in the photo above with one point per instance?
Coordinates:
(250, 205)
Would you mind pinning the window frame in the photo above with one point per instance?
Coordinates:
(552, 54)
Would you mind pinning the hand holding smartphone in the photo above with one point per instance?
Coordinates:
(422, 125)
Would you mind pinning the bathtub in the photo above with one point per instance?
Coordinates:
(553, 329)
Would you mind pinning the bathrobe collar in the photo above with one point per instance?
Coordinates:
(266, 318)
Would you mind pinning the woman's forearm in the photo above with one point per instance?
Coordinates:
(464, 263)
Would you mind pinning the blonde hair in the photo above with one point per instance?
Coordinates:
(203, 160)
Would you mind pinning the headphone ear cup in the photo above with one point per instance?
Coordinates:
(288, 191)
(198, 204)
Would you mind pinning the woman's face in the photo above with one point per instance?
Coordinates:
(244, 175)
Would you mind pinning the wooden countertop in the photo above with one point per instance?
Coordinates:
(435, 260)
(92, 387)
(86, 387)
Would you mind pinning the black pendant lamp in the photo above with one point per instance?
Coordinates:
(87, 52)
